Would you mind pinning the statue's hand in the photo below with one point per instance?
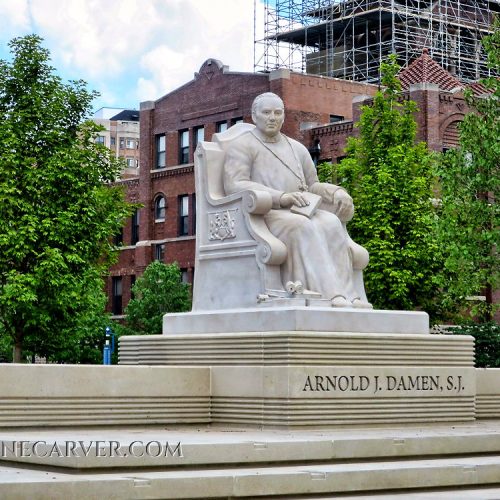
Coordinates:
(289, 199)
(343, 207)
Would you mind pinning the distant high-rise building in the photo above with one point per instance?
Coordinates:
(349, 38)
(121, 136)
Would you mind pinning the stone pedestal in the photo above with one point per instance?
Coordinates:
(296, 319)
(316, 367)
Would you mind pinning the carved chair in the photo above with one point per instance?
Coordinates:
(237, 258)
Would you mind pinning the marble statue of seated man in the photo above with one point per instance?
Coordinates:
(319, 250)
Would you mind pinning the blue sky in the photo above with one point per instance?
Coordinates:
(135, 50)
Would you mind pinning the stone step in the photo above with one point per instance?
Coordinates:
(478, 493)
(202, 446)
(443, 461)
(253, 482)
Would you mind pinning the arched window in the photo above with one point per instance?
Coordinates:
(451, 135)
(160, 207)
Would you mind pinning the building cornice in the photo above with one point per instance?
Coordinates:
(173, 171)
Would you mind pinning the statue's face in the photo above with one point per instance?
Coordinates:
(269, 115)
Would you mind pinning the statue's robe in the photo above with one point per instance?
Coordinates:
(318, 248)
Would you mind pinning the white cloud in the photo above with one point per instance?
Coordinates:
(100, 38)
(146, 89)
(216, 29)
(15, 13)
(110, 96)
(168, 69)
(152, 46)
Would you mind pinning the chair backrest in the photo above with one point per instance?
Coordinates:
(223, 138)
(215, 154)
(208, 171)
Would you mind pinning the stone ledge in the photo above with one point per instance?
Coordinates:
(488, 393)
(299, 318)
(298, 348)
(88, 395)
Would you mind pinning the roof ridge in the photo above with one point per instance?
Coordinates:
(424, 69)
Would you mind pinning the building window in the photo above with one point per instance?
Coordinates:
(131, 162)
(193, 212)
(198, 136)
(221, 127)
(315, 152)
(100, 139)
(183, 215)
(116, 306)
(113, 141)
(336, 118)
(184, 146)
(234, 121)
(160, 207)
(160, 151)
(135, 228)
(118, 238)
(122, 143)
(160, 252)
(184, 275)
(130, 143)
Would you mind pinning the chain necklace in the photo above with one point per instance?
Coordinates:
(302, 181)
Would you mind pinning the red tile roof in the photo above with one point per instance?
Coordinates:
(478, 88)
(425, 70)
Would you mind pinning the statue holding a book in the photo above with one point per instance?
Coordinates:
(308, 216)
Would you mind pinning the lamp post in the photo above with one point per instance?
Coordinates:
(109, 346)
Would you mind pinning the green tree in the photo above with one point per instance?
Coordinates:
(486, 341)
(468, 226)
(158, 291)
(57, 210)
(389, 177)
(81, 340)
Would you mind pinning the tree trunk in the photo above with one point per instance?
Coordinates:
(17, 351)
(489, 303)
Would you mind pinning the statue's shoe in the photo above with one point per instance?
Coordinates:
(361, 304)
(341, 301)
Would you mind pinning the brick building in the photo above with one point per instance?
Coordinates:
(320, 112)
(171, 127)
(441, 106)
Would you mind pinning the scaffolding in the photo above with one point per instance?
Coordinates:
(349, 38)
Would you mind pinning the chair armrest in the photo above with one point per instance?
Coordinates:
(271, 250)
(257, 202)
(253, 202)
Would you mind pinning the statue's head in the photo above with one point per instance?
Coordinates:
(268, 113)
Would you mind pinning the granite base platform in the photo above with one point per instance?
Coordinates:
(106, 440)
(304, 367)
